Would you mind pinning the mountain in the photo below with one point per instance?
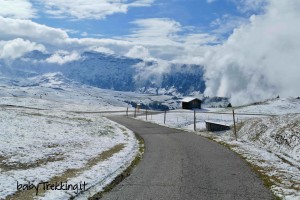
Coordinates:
(104, 71)
(112, 72)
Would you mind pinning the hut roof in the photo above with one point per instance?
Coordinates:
(189, 99)
(215, 122)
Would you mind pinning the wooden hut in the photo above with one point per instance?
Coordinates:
(216, 126)
(191, 103)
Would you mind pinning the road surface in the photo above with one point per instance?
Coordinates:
(178, 165)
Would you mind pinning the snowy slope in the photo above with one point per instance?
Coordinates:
(275, 106)
(57, 91)
(278, 134)
(55, 145)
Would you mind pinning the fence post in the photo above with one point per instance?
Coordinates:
(134, 112)
(194, 120)
(165, 117)
(127, 112)
(234, 124)
(146, 114)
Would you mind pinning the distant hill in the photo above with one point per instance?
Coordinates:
(111, 72)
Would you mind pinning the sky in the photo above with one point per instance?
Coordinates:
(248, 48)
(151, 27)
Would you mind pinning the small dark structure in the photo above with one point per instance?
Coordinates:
(214, 126)
(191, 103)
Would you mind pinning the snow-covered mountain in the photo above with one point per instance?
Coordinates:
(111, 72)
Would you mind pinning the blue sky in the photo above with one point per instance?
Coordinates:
(157, 28)
(197, 13)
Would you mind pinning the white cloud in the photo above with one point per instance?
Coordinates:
(159, 36)
(16, 48)
(21, 9)
(84, 34)
(155, 31)
(92, 9)
(227, 23)
(26, 29)
(138, 52)
(260, 59)
(153, 72)
(54, 38)
(102, 50)
(62, 57)
(141, 3)
(251, 5)
(167, 39)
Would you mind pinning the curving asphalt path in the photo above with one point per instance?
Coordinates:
(178, 165)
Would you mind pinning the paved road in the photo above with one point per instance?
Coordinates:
(178, 165)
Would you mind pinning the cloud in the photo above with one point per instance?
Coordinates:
(92, 9)
(102, 50)
(19, 9)
(260, 59)
(251, 5)
(84, 34)
(138, 52)
(55, 38)
(18, 47)
(28, 30)
(226, 24)
(141, 3)
(160, 36)
(152, 72)
(155, 31)
(167, 39)
(62, 57)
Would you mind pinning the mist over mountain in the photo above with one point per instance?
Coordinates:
(110, 72)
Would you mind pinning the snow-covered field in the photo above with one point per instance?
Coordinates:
(42, 139)
(185, 118)
(270, 143)
(46, 145)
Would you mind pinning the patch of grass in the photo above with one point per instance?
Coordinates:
(2, 158)
(125, 173)
(35, 114)
(109, 130)
(286, 161)
(59, 117)
(69, 173)
(123, 129)
(228, 146)
(79, 119)
(239, 126)
(24, 166)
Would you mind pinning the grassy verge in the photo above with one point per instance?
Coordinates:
(259, 171)
(125, 173)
